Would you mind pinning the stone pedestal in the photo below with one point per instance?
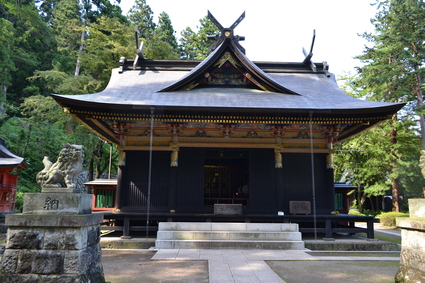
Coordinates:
(55, 239)
(412, 259)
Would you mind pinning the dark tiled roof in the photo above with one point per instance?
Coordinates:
(141, 88)
(8, 159)
(292, 88)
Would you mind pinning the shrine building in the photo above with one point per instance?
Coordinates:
(10, 164)
(225, 130)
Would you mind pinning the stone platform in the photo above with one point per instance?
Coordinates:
(189, 235)
(56, 239)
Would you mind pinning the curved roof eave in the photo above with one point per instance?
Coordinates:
(357, 108)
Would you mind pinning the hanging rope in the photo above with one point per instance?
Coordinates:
(313, 186)
(149, 175)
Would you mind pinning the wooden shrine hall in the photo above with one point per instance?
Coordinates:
(10, 164)
(193, 135)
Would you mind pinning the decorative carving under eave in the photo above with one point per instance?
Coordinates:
(121, 158)
(226, 130)
(331, 133)
(252, 134)
(174, 155)
(303, 135)
(121, 129)
(227, 57)
(190, 86)
(330, 161)
(175, 130)
(277, 131)
(278, 157)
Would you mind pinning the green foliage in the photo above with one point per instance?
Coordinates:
(94, 9)
(108, 40)
(159, 49)
(387, 156)
(7, 33)
(67, 26)
(355, 212)
(165, 31)
(188, 49)
(141, 16)
(389, 218)
(30, 45)
(371, 160)
(194, 46)
(62, 83)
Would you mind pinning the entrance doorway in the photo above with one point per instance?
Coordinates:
(226, 177)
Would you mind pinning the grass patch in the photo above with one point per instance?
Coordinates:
(335, 271)
(384, 237)
(356, 254)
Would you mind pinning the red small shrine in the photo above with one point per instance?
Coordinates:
(9, 166)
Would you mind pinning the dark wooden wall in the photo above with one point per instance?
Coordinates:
(134, 191)
(297, 185)
(182, 188)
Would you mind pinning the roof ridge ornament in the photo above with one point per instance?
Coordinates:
(307, 59)
(226, 33)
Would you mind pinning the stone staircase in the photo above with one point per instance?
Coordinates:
(210, 235)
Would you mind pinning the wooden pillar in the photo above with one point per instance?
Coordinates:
(173, 187)
(119, 188)
(279, 185)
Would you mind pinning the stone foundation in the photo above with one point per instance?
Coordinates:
(53, 245)
(412, 258)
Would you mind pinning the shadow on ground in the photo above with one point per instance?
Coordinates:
(335, 272)
(135, 266)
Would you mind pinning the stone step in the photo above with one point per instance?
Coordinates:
(229, 235)
(209, 235)
(229, 244)
(215, 226)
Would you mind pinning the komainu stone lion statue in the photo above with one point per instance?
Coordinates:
(63, 173)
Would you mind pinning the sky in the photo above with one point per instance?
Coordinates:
(277, 30)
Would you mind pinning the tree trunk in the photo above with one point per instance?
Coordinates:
(396, 194)
(24, 150)
(417, 89)
(2, 99)
(83, 37)
(395, 184)
(420, 103)
(360, 201)
(78, 65)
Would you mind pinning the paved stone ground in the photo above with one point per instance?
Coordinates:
(136, 266)
(133, 266)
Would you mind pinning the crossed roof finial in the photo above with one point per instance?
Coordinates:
(226, 33)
